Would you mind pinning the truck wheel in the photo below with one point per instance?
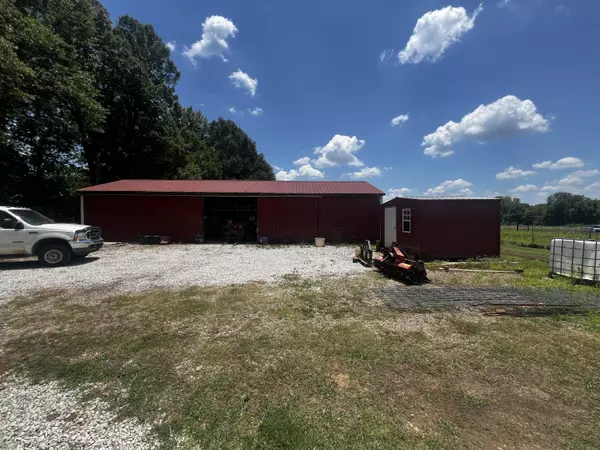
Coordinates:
(54, 255)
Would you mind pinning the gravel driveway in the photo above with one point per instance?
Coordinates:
(36, 416)
(134, 268)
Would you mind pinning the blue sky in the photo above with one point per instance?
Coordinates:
(329, 77)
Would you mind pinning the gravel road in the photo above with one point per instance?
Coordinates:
(36, 416)
(134, 268)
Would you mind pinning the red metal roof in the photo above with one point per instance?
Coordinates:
(237, 187)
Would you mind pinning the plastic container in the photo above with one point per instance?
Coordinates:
(575, 258)
(320, 242)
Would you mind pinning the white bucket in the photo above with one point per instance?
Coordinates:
(320, 242)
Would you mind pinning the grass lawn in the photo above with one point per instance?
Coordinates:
(533, 261)
(321, 364)
(541, 237)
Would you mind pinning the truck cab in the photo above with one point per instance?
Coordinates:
(25, 232)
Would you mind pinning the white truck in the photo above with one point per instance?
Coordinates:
(24, 232)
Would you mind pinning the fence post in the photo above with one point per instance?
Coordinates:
(531, 234)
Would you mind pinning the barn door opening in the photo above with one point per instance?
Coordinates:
(230, 219)
(389, 234)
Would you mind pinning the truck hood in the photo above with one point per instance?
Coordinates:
(62, 227)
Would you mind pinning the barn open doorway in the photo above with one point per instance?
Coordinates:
(230, 219)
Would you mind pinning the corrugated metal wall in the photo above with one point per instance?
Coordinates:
(129, 217)
(451, 229)
(282, 219)
(336, 218)
(288, 219)
(349, 219)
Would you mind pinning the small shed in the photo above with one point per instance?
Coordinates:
(443, 228)
(282, 211)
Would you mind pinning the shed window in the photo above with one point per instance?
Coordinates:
(406, 222)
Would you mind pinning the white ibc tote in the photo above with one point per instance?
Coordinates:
(575, 258)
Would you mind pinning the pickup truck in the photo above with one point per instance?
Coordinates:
(24, 232)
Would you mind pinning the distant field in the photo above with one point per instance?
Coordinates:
(542, 235)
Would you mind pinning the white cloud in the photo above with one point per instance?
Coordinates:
(255, 111)
(232, 110)
(512, 173)
(284, 175)
(386, 55)
(525, 188)
(215, 32)
(577, 177)
(435, 32)
(309, 171)
(277, 168)
(366, 172)
(339, 151)
(550, 188)
(593, 186)
(399, 192)
(466, 191)
(449, 186)
(302, 161)
(242, 80)
(399, 120)
(505, 117)
(306, 170)
(569, 162)
(171, 46)
(393, 193)
(503, 3)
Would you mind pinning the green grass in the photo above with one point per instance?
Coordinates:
(319, 364)
(540, 236)
(533, 261)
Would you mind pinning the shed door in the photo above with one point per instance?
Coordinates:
(389, 235)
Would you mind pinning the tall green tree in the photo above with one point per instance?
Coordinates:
(136, 80)
(237, 152)
(83, 101)
(41, 83)
(201, 160)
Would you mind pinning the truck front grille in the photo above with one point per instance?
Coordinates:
(94, 233)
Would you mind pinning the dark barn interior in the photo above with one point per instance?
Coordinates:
(231, 219)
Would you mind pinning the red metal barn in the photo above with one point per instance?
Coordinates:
(282, 211)
(436, 228)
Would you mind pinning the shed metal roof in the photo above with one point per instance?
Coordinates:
(429, 198)
(232, 187)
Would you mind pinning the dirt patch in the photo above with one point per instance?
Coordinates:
(341, 380)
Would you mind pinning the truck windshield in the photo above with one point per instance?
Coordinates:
(31, 217)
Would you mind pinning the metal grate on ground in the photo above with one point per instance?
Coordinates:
(461, 298)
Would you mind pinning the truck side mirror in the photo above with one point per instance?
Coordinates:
(11, 224)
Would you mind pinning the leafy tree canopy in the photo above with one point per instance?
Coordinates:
(85, 102)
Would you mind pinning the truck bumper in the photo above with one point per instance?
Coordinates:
(86, 246)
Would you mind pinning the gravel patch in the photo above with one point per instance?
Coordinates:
(43, 416)
(134, 268)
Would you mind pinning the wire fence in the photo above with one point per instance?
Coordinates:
(563, 229)
(541, 236)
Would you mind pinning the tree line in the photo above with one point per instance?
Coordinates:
(560, 209)
(83, 101)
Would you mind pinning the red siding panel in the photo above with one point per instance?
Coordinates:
(297, 219)
(353, 219)
(128, 217)
(288, 219)
(451, 229)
